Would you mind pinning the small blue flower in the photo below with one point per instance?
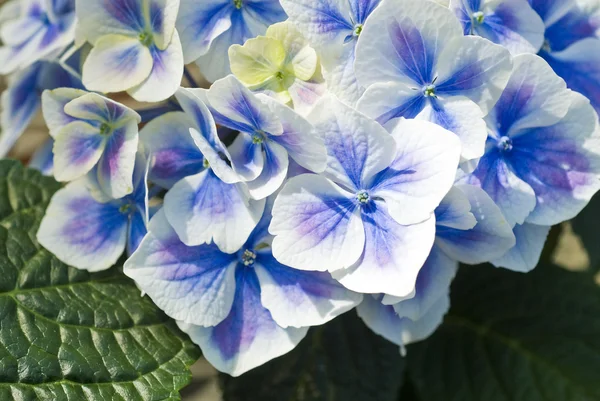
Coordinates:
(209, 27)
(511, 23)
(243, 308)
(367, 218)
(86, 229)
(415, 63)
(40, 29)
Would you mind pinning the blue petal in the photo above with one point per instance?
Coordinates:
(551, 10)
(42, 159)
(248, 337)
(525, 255)
(193, 284)
(361, 9)
(136, 231)
(572, 27)
(455, 211)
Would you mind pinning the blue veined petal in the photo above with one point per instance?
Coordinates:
(192, 284)
(299, 139)
(200, 23)
(326, 24)
(273, 172)
(581, 21)
(473, 67)
(525, 255)
(357, 147)
(116, 63)
(422, 172)
(490, 238)
(202, 209)
(409, 37)
(385, 102)
(165, 77)
(454, 211)
(247, 157)
(434, 279)
(258, 15)
(393, 254)
(162, 15)
(94, 107)
(383, 320)
(561, 163)
(136, 230)
(514, 25)
(462, 117)
(174, 154)
(551, 10)
(534, 97)
(20, 103)
(108, 17)
(495, 176)
(579, 66)
(341, 79)
(78, 147)
(463, 10)
(43, 158)
(361, 9)
(53, 107)
(137, 203)
(298, 298)
(115, 167)
(81, 231)
(248, 337)
(317, 225)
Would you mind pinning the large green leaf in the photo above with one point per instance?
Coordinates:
(66, 334)
(514, 337)
(340, 361)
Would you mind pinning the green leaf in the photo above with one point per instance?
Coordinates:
(340, 361)
(513, 337)
(66, 334)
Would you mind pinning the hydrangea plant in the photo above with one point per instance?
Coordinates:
(318, 195)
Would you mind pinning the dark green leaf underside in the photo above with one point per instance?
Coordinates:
(340, 361)
(514, 337)
(66, 334)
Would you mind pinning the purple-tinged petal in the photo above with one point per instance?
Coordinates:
(473, 67)
(82, 232)
(422, 172)
(454, 211)
(298, 298)
(100, 18)
(136, 230)
(20, 102)
(402, 331)
(305, 94)
(551, 10)
(115, 167)
(317, 225)
(273, 172)
(434, 279)
(248, 337)
(357, 147)
(581, 21)
(393, 254)
(203, 209)
(53, 107)
(192, 284)
(490, 238)
(247, 157)
(402, 42)
(92, 106)
(116, 63)
(525, 255)
(165, 76)
(174, 154)
(78, 147)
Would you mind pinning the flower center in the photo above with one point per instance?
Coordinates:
(363, 197)
(258, 137)
(248, 257)
(205, 163)
(429, 91)
(478, 18)
(105, 129)
(279, 75)
(505, 144)
(125, 208)
(146, 38)
(357, 30)
(546, 46)
(237, 4)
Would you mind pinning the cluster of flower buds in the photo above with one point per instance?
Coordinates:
(347, 153)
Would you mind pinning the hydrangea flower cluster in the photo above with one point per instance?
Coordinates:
(345, 154)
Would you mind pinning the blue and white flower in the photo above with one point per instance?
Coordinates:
(269, 132)
(200, 207)
(368, 217)
(333, 28)
(21, 101)
(243, 308)
(136, 47)
(209, 27)
(525, 255)
(90, 130)
(90, 231)
(36, 29)
(511, 23)
(542, 159)
(415, 63)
